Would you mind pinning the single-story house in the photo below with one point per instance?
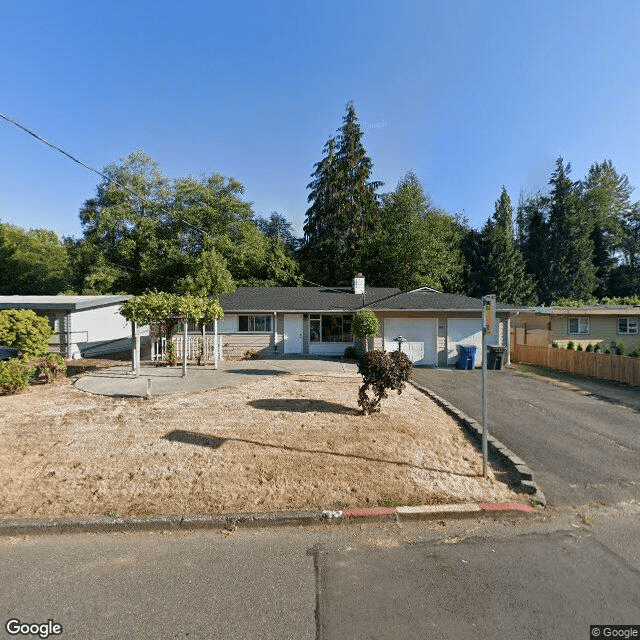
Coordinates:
(277, 321)
(593, 324)
(84, 326)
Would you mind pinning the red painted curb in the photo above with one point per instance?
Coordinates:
(507, 506)
(375, 511)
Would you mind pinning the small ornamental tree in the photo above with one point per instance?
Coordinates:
(164, 309)
(381, 371)
(365, 324)
(26, 331)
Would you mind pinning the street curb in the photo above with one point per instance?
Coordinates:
(232, 522)
(526, 483)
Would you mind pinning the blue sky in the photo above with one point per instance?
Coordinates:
(471, 95)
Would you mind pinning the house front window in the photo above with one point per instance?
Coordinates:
(330, 328)
(254, 323)
(628, 326)
(579, 326)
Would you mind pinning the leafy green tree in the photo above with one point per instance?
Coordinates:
(32, 262)
(187, 234)
(122, 243)
(416, 244)
(498, 264)
(572, 273)
(278, 227)
(339, 230)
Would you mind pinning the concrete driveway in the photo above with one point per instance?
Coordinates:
(581, 449)
(122, 382)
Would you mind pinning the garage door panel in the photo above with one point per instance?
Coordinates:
(467, 332)
(421, 335)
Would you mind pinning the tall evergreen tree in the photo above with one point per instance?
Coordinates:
(607, 199)
(570, 258)
(417, 244)
(624, 279)
(499, 266)
(532, 240)
(340, 224)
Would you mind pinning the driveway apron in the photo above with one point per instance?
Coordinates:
(582, 450)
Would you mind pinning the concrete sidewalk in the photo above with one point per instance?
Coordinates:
(122, 382)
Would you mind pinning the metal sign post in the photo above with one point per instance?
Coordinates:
(488, 327)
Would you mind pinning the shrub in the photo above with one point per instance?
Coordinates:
(382, 371)
(607, 351)
(620, 348)
(26, 331)
(635, 353)
(15, 375)
(570, 345)
(49, 367)
(597, 348)
(579, 347)
(170, 355)
(351, 353)
(365, 324)
(589, 348)
(554, 345)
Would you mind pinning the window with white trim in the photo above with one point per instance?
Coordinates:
(628, 326)
(330, 328)
(258, 324)
(579, 326)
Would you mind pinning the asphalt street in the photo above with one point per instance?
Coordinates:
(543, 578)
(581, 449)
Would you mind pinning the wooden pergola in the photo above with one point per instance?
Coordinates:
(135, 340)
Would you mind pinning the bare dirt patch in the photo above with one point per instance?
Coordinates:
(274, 443)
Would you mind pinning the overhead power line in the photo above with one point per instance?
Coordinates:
(142, 198)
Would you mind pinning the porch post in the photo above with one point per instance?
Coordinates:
(133, 346)
(215, 343)
(508, 340)
(184, 348)
(137, 351)
(275, 333)
(204, 343)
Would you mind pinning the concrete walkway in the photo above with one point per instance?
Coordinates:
(121, 381)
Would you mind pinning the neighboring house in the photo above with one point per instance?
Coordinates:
(594, 324)
(84, 326)
(317, 321)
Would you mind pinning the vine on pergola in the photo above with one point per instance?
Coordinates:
(166, 309)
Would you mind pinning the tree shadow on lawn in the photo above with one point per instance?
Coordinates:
(302, 405)
(215, 442)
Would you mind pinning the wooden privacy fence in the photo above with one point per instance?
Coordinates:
(586, 363)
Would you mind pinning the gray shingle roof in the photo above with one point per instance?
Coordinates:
(69, 303)
(318, 299)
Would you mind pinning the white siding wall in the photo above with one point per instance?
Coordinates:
(99, 331)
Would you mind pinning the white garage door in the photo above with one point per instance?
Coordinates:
(421, 335)
(467, 332)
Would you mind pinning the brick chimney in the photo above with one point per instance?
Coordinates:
(357, 284)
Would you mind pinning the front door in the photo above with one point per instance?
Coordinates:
(293, 332)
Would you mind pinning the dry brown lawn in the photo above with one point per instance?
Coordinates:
(276, 443)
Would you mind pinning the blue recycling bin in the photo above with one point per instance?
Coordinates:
(467, 356)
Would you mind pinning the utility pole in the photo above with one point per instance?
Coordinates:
(488, 327)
